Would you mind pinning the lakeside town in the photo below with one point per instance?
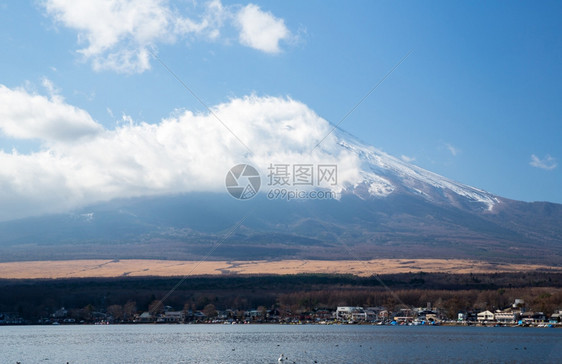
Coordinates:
(513, 315)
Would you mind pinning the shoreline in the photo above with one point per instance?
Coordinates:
(442, 324)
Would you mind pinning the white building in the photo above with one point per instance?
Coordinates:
(173, 316)
(350, 313)
(508, 316)
(486, 316)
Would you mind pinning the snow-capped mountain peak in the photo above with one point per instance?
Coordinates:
(384, 175)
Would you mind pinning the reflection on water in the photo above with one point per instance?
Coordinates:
(265, 343)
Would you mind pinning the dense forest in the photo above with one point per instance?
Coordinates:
(451, 293)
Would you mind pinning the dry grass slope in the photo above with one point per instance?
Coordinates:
(170, 268)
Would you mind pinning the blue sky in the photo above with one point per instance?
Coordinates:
(477, 100)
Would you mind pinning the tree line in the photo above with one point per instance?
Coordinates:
(124, 297)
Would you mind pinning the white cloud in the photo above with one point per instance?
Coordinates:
(25, 115)
(185, 152)
(51, 89)
(211, 21)
(261, 30)
(454, 151)
(407, 159)
(548, 162)
(119, 34)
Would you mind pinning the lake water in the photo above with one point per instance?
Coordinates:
(265, 343)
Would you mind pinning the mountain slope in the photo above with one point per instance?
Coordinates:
(190, 226)
(394, 210)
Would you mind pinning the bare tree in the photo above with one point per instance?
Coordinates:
(116, 311)
(129, 310)
(210, 310)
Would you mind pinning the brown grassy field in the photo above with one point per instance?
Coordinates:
(169, 268)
